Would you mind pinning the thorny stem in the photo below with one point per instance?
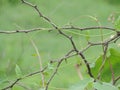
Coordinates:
(74, 48)
(87, 65)
(56, 69)
(18, 79)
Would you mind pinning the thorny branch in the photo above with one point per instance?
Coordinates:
(58, 65)
(87, 65)
(40, 14)
(21, 78)
(62, 29)
(73, 52)
(115, 81)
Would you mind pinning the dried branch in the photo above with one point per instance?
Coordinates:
(105, 42)
(116, 79)
(87, 65)
(70, 39)
(21, 31)
(89, 28)
(40, 14)
(18, 79)
(61, 28)
(13, 84)
(57, 67)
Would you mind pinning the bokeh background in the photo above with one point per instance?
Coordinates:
(17, 48)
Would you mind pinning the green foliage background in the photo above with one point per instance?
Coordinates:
(17, 49)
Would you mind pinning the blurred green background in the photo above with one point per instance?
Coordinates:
(17, 48)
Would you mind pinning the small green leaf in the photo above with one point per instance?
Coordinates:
(117, 24)
(50, 66)
(18, 71)
(34, 55)
(97, 65)
(104, 86)
(46, 73)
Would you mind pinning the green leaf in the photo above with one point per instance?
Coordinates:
(18, 71)
(117, 24)
(50, 66)
(46, 73)
(104, 86)
(34, 55)
(82, 84)
(90, 86)
(114, 60)
(114, 52)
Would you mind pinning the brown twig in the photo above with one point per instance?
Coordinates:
(49, 29)
(87, 65)
(39, 12)
(116, 79)
(18, 79)
(70, 39)
(12, 85)
(58, 65)
(89, 28)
